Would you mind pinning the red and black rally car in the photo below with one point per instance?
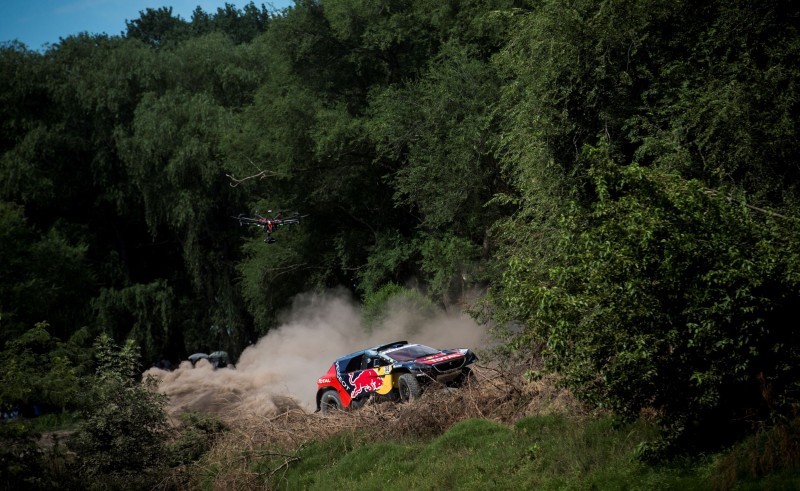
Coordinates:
(394, 371)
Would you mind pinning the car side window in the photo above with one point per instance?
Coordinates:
(373, 362)
(354, 364)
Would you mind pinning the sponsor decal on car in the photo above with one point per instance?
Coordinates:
(365, 381)
(430, 360)
(341, 375)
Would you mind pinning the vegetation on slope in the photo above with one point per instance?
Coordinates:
(489, 436)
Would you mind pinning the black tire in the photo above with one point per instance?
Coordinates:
(358, 403)
(466, 379)
(330, 402)
(408, 387)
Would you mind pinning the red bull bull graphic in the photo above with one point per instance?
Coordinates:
(365, 381)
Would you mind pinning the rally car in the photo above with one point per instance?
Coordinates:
(218, 359)
(396, 371)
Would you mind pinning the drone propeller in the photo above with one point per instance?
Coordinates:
(246, 220)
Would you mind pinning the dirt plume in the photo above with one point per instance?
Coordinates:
(280, 371)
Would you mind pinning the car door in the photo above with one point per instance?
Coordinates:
(374, 376)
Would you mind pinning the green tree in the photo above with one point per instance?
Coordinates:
(44, 374)
(241, 25)
(143, 312)
(21, 459)
(42, 278)
(303, 138)
(157, 27)
(173, 158)
(378, 306)
(651, 257)
(370, 113)
(21, 93)
(440, 130)
(215, 66)
(271, 276)
(726, 112)
(672, 298)
(120, 443)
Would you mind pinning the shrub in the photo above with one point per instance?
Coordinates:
(673, 297)
(198, 435)
(120, 443)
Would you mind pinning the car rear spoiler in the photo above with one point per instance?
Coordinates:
(396, 344)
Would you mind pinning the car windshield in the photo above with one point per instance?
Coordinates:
(408, 353)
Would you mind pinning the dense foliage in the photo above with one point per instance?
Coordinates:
(621, 176)
(121, 437)
(656, 138)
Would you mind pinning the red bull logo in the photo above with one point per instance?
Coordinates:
(365, 381)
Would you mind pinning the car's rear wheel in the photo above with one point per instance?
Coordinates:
(330, 402)
(409, 387)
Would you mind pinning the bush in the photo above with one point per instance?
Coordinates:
(120, 443)
(198, 435)
(673, 297)
(20, 458)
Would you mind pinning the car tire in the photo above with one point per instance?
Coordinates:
(330, 402)
(359, 402)
(466, 379)
(409, 387)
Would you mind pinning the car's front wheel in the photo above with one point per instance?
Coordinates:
(409, 387)
(330, 402)
(465, 379)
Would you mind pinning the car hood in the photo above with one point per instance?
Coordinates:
(440, 357)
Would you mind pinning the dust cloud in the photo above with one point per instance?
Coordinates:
(280, 371)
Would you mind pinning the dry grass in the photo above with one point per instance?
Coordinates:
(237, 459)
